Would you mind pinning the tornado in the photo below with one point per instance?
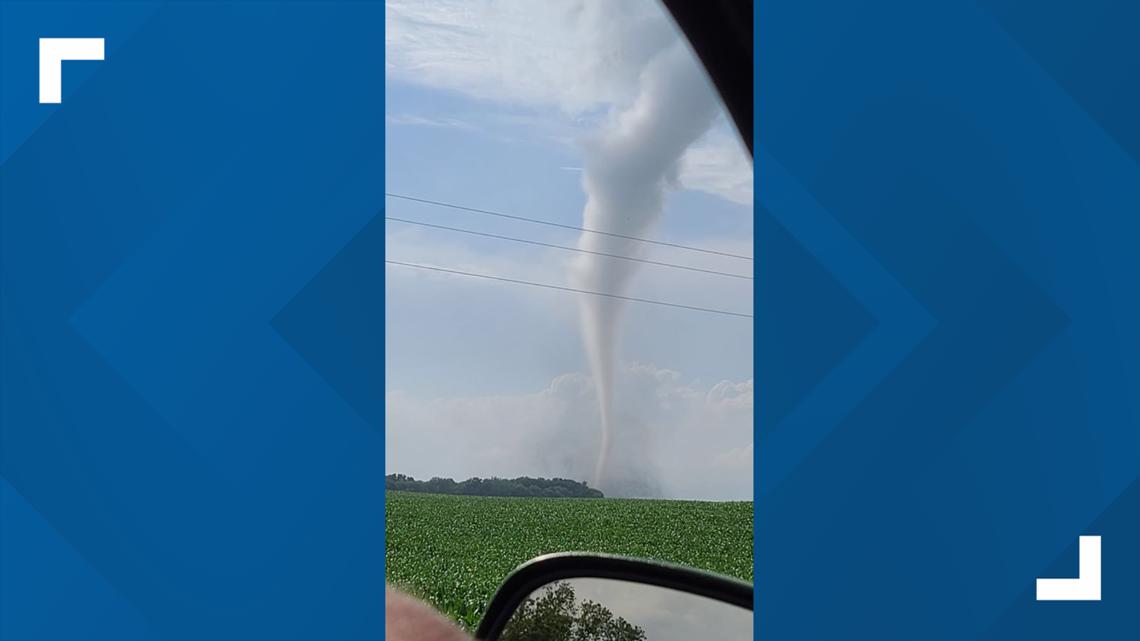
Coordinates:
(629, 165)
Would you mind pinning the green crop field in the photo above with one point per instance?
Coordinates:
(454, 551)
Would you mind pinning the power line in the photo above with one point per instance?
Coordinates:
(573, 249)
(560, 225)
(569, 289)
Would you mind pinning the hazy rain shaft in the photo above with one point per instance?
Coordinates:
(630, 162)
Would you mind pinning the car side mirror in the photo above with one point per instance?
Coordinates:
(591, 597)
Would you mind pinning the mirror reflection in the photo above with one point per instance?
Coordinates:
(590, 609)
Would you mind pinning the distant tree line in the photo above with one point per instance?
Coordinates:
(521, 486)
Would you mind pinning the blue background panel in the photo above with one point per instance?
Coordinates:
(172, 466)
(964, 177)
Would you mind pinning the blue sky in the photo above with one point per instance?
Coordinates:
(488, 105)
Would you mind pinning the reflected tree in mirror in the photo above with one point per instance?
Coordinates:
(556, 615)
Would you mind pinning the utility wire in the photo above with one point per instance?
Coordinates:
(554, 224)
(573, 249)
(569, 289)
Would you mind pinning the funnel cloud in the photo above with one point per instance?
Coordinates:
(629, 165)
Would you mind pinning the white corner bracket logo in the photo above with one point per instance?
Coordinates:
(1086, 587)
(53, 51)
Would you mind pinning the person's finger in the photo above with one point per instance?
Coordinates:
(408, 619)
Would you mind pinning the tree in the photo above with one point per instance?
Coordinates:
(555, 615)
(494, 486)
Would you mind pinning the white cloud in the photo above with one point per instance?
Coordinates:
(559, 66)
(688, 440)
(718, 164)
(578, 55)
(412, 120)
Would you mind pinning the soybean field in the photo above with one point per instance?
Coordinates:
(454, 551)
